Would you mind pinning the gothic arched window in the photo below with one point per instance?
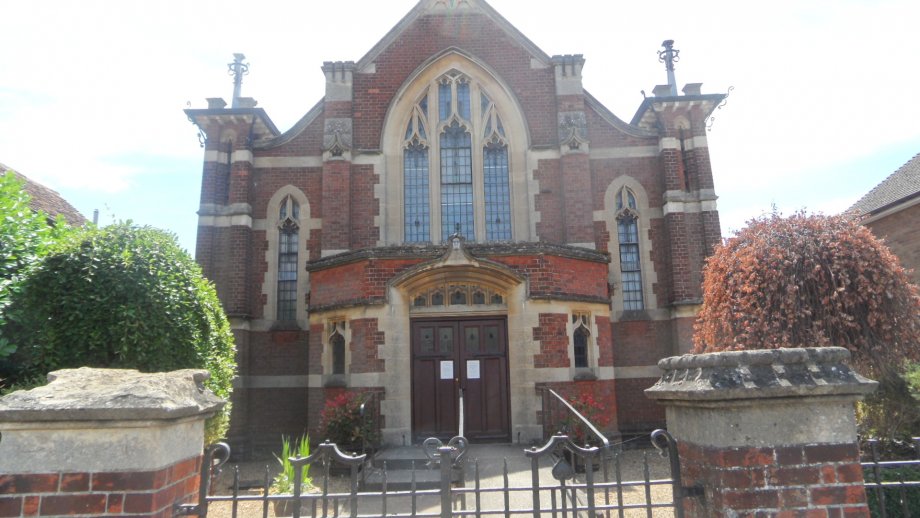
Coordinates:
(630, 263)
(337, 343)
(457, 180)
(288, 239)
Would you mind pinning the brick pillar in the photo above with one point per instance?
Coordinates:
(766, 433)
(100, 442)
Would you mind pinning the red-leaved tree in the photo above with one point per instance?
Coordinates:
(817, 281)
(810, 281)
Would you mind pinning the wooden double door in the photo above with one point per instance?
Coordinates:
(453, 354)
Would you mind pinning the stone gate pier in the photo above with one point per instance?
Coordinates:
(766, 433)
(98, 442)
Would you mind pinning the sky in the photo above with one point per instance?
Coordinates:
(822, 105)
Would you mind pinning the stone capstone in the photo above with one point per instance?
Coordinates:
(815, 371)
(91, 394)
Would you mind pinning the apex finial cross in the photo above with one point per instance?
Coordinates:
(237, 69)
(669, 56)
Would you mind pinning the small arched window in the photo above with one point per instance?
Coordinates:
(580, 339)
(630, 263)
(288, 244)
(337, 343)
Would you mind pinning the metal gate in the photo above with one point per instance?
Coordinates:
(598, 491)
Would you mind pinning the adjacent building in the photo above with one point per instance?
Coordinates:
(456, 213)
(892, 210)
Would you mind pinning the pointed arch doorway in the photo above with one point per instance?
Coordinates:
(454, 354)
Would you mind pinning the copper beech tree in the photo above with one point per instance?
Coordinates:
(810, 281)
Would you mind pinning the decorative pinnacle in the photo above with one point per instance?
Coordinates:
(669, 56)
(237, 69)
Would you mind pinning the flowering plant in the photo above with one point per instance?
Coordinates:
(343, 424)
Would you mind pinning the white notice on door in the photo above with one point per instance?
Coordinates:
(472, 369)
(447, 369)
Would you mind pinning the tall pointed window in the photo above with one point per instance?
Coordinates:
(288, 239)
(415, 174)
(456, 181)
(630, 263)
(580, 340)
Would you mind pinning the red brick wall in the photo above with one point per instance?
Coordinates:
(549, 201)
(604, 342)
(476, 35)
(364, 281)
(603, 415)
(366, 342)
(554, 341)
(641, 342)
(821, 480)
(559, 276)
(308, 142)
(902, 234)
(144, 493)
(577, 189)
(364, 207)
(337, 213)
(636, 412)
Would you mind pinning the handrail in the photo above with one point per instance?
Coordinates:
(605, 444)
(363, 413)
(461, 427)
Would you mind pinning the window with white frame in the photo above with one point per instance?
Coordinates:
(455, 165)
(630, 263)
(288, 242)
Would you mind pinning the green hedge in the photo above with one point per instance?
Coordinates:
(121, 296)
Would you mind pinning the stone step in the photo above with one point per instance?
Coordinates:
(401, 479)
(401, 457)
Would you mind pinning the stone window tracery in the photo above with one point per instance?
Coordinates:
(465, 295)
(462, 171)
(630, 260)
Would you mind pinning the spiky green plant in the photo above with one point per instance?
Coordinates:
(283, 482)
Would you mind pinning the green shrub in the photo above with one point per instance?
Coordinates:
(894, 507)
(283, 483)
(25, 236)
(122, 296)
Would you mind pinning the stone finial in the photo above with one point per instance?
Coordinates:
(692, 89)
(568, 73)
(246, 102)
(661, 91)
(90, 394)
(216, 103)
(339, 80)
(816, 371)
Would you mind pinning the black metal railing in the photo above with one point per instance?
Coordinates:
(551, 489)
(892, 486)
(554, 407)
(369, 411)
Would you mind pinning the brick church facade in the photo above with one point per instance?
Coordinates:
(455, 214)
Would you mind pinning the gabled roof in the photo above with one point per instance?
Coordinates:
(899, 186)
(434, 6)
(47, 200)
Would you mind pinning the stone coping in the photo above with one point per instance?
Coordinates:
(91, 394)
(760, 374)
(479, 250)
